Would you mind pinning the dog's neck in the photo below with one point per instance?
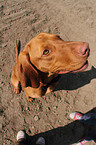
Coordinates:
(46, 78)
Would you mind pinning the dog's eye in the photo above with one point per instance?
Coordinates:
(46, 51)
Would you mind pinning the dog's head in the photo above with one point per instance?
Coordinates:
(49, 53)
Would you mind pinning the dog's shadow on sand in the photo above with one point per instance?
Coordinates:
(72, 81)
(65, 135)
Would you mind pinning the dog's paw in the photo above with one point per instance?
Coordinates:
(30, 99)
(17, 90)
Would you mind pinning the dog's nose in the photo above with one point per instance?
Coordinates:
(84, 49)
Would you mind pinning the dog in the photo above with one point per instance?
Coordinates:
(45, 57)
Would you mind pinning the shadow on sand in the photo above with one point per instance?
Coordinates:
(72, 81)
(65, 135)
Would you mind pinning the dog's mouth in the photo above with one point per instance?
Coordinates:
(78, 70)
(82, 68)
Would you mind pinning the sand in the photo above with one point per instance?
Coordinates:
(73, 20)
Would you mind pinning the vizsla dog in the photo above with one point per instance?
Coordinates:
(43, 58)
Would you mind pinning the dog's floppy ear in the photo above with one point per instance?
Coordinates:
(28, 74)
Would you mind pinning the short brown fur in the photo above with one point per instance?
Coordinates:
(40, 62)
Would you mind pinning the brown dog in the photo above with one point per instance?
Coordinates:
(43, 58)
